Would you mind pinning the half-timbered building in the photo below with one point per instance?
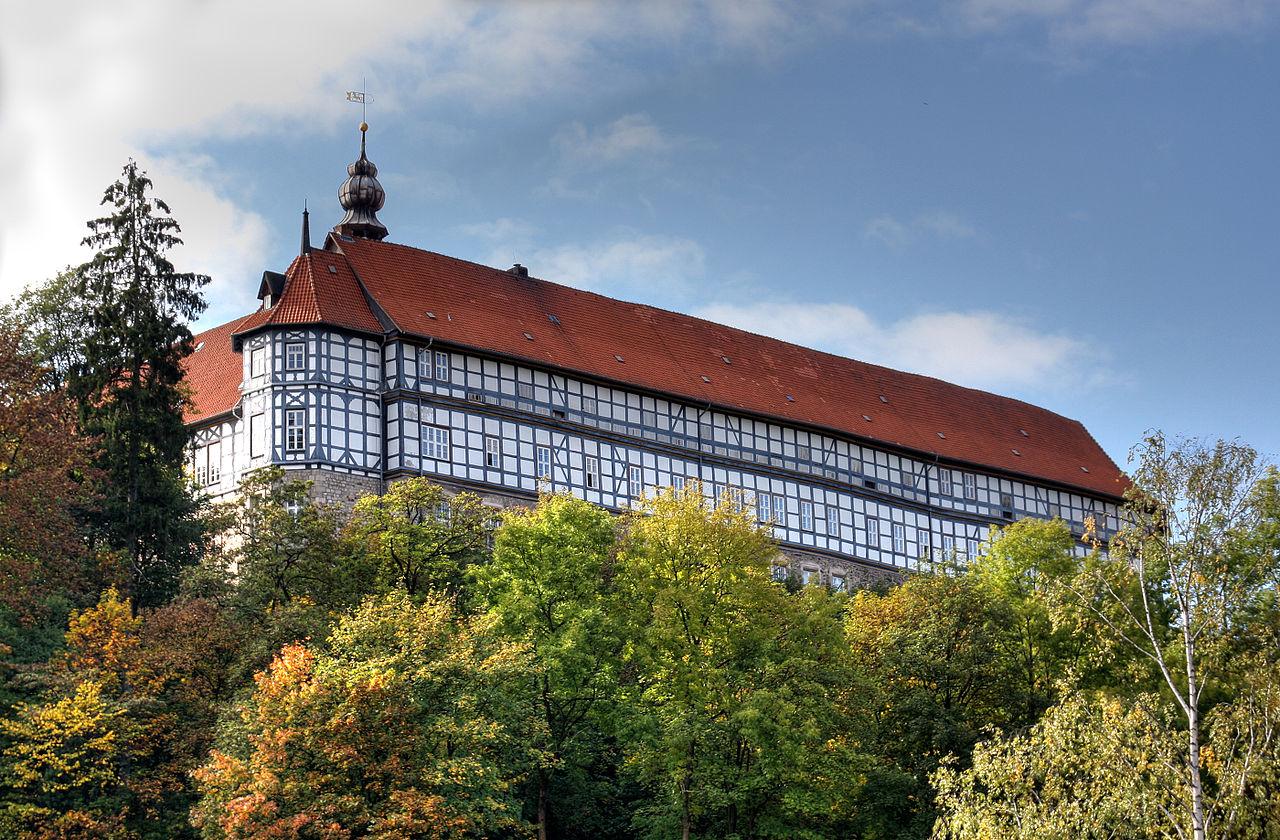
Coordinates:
(369, 361)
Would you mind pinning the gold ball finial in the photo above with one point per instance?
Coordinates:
(364, 126)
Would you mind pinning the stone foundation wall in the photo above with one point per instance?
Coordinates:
(856, 574)
(342, 489)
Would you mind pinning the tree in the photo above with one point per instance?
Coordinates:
(1093, 767)
(1020, 568)
(549, 586)
(285, 545)
(56, 321)
(422, 538)
(1186, 572)
(44, 470)
(400, 726)
(739, 711)
(128, 384)
(64, 763)
(940, 668)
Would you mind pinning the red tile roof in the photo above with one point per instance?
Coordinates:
(214, 371)
(491, 310)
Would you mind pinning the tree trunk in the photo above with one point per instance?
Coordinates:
(542, 805)
(1193, 734)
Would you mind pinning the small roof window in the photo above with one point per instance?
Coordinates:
(790, 398)
(866, 417)
(431, 315)
(333, 269)
(1084, 469)
(1016, 452)
(198, 347)
(619, 358)
(883, 398)
(529, 336)
(706, 379)
(726, 360)
(1023, 432)
(553, 319)
(941, 435)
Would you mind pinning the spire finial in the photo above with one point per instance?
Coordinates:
(362, 197)
(306, 230)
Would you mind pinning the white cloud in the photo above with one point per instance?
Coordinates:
(1121, 22)
(939, 224)
(628, 137)
(504, 230)
(86, 86)
(639, 267)
(980, 349)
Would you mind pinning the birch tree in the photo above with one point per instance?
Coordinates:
(1185, 572)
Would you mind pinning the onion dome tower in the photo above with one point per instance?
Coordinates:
(362, 197)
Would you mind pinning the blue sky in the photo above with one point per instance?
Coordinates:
(1073, 202)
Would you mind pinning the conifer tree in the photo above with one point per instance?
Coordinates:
(129, 383)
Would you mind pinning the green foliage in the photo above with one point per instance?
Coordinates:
(1094, 767)
(549, 586)
(128, 384)
(421, 538)
(399, 726)
(936, 652)
(739, 714)
(285, 546)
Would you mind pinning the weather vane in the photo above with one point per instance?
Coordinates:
(361, 97)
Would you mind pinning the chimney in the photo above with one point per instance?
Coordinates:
(518, 270)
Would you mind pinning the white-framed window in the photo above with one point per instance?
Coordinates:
(970, 486)
(764, 507)
(424, 363)
(542, 465)
(293, 507)
(806, 516)
(524, 390)
(971, 549)
(589, 405)
(944, 482)
(591, 472)
(295, 430)
(833, 521)
(737, 499)
(493, 452)
(435, 443)
(442, 366)
(635, 482)
(780, 509)
(213, 456)
(948, 547)
(809, 576)
(257, 435)
(295, 356)
(780, 573)
(257, 361)
(899, 539)
(837, 581)
(677, 483)
(873, 532)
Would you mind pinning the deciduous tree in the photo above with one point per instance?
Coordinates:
(399, 727)
(422, 538)
(550, 586)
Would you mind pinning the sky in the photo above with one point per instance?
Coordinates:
(1071, 202)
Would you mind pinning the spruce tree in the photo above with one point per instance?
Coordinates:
(129, 387)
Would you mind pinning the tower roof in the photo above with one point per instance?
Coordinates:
(362, 197)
